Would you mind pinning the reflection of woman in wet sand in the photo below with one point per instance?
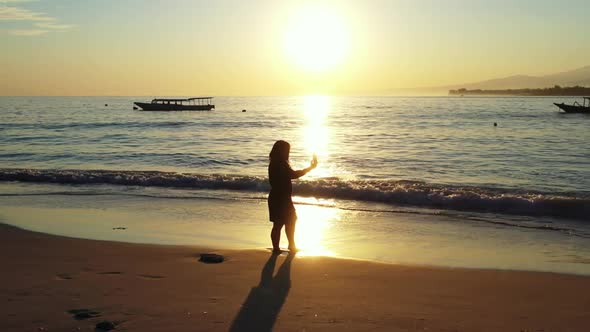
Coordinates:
(280, 206)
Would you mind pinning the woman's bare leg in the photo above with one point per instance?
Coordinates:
(290, 231)
(275, 235)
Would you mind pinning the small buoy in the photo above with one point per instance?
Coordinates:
(243, 111)
(495, 124)
(106, 104)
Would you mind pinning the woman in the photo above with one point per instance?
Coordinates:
(280, 206)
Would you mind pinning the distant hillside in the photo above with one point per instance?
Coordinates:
(555, 91)
(576, 77)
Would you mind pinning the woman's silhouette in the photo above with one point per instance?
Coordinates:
(280, 206)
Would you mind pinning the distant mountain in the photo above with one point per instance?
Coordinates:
(580, 76)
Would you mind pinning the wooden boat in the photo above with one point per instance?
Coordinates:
(190, 104)
(576, 107)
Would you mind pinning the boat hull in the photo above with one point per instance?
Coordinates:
(573, 108)
(172, 107)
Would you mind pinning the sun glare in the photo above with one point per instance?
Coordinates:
(316, 38)
(313, 224)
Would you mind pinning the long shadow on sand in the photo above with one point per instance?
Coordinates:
(262, 306)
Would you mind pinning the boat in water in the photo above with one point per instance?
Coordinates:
(576, 107)
(189, 104)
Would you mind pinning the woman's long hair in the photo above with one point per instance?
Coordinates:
(280, 152)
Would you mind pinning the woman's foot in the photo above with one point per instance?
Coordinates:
(276, 250)
(293, 249)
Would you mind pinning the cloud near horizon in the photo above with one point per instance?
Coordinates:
(7, 1)
(28, 32)
(42, 23)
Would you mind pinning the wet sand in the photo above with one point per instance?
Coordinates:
(46, 278)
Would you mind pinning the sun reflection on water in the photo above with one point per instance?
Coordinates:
(316, 134)
(314, 221)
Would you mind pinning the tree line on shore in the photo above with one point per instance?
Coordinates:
(554, 91)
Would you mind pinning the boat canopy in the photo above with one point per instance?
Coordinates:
(192, 101)
(585, 102)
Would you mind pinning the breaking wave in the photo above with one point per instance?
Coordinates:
(408, 193)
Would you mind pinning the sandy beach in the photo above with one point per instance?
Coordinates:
(47, 278)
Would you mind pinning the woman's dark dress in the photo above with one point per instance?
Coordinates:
(280, 205)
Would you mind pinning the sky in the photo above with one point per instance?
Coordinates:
(270, 47)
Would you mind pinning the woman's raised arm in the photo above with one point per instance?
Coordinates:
(297, 174)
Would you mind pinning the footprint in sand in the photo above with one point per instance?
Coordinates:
(81, 314)
(150, 276)
(64, 276)
(110, 273)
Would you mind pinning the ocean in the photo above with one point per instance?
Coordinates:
(483, 182)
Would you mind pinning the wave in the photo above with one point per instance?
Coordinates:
(94, 125)
(132, 125)
(406, 193)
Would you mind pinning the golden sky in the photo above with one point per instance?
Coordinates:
(232, 47)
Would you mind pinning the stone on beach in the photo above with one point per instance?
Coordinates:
(211, 258)
(105, 325)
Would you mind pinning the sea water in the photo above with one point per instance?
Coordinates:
(475, 182)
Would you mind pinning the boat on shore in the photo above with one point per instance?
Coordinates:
(576, 107)
(189, 104)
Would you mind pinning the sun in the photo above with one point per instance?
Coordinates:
(316, 38)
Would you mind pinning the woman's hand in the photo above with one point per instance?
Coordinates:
(314, 162)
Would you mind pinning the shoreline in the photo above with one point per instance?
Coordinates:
(236, 222)
(162, 287)
(301, 254)
(211, 249)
